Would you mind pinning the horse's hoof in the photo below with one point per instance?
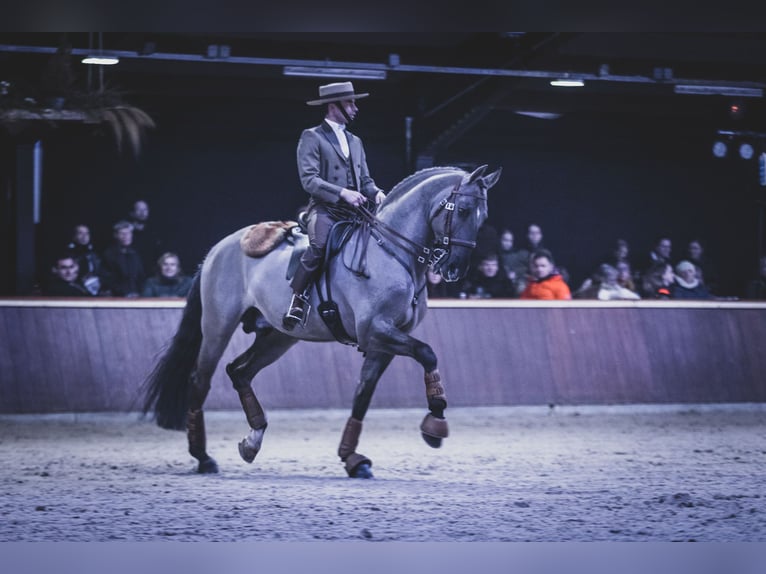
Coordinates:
(433, 430)
(208, 466)
(362, 471)
(432, 441)
(251, 444)
(247, 454)
(358, 466)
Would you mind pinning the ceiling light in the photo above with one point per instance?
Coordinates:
(719, 149)
(327, 72)
(746, 151)
(712, 90)
(539, 115)
(567, 83)
(101, 60)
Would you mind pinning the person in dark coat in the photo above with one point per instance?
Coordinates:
(169, 281)
(64, 281)
(687, 284)
(124, 271)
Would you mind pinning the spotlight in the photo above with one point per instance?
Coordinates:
(745, 151)
(720, 149)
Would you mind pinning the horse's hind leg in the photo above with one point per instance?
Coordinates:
(358, 465)
(216, 334)
(269, 345)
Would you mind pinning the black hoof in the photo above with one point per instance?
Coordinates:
(358, 466)
(432, 441)
(207, 466)
(361, 471)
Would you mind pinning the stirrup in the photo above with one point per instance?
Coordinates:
(298, 311)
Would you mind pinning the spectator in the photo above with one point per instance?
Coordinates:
(657, 281)
(64, 281)
(124, 272)
(620, 253)
(488, 281)
(604, 286)
(625, 276)
(512, 260)
(687, 286)
(533, 242)
(547, 283)
(435, 285)
(706, 272)
(87, 259)
(145, 239)
(660, 253)
(169, 281)
(756, 289)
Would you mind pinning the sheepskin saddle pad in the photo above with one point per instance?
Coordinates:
(263, 237)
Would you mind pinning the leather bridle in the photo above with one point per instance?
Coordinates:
(441, 246)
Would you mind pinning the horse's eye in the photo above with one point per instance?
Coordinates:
(463, 211)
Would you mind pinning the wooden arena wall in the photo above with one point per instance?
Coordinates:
(76, 356)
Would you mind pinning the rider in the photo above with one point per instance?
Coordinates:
(333, 170)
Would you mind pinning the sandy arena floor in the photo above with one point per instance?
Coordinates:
(639, 473)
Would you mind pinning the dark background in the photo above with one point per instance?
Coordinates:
(623, 160)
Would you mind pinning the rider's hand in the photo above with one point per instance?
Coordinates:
(380, 196)
(353, 197)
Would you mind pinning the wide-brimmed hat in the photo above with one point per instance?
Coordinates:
(336, 92)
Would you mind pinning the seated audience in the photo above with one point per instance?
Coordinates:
(620, 253)
(706, 272)
(532, 243)
(169, 281)
(546, 282)
(435, 285)
(660, 253)
(488, 281)
(146, 241)
(658, 280)
(124, 272)
(756, 289)
(687, 286)
(64, 280)
(87, 258)
(604, 286)
(512, 260)
(625, 276)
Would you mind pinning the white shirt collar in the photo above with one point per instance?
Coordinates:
(335, 125)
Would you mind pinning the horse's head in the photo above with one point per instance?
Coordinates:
(456, 220)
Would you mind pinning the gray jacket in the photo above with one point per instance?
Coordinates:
(322, 167)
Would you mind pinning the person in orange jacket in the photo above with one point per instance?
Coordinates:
(547, 282)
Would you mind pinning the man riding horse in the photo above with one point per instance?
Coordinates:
(332, 167)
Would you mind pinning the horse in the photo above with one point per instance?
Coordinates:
(430, 218)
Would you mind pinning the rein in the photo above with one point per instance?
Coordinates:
(423, 255)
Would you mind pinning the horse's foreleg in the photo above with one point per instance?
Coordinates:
(434, 427)
(267, 348)
(358, 465)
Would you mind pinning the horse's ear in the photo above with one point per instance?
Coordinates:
(477, 173)
(492, 178)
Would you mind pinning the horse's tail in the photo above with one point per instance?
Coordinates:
(166, 389)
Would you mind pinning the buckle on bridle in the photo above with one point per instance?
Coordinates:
(437, 255)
